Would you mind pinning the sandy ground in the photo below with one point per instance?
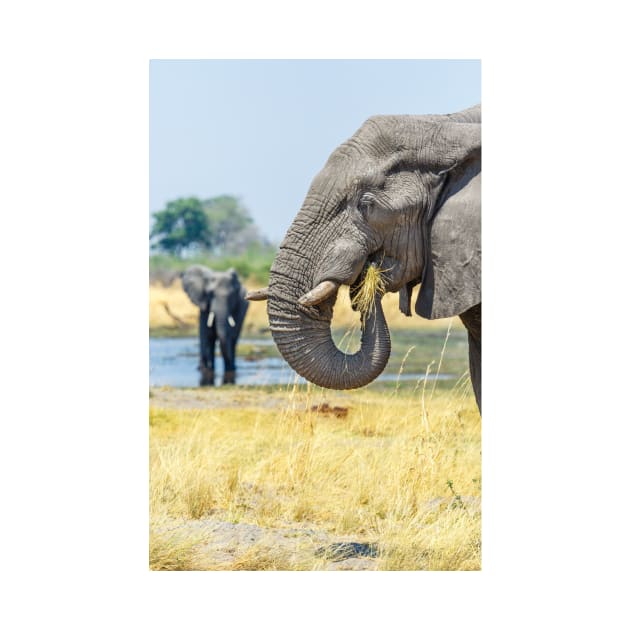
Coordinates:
(226, 545)
(227, 397)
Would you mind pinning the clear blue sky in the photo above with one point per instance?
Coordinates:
(262, 129)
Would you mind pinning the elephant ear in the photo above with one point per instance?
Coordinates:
(451, 282)
(196, 282)
(233, 277)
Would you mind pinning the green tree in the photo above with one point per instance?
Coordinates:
(228, 218)
(181, 226)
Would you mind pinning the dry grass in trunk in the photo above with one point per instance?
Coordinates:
(370, 286)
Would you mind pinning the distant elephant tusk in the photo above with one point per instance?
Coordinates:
(210, 319)
(322, 291)
(231, 321)
(258, 294)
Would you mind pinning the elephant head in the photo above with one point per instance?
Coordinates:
(402, 193)
(219, 294)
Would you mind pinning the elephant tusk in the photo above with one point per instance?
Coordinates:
(258, 294)
(322, 291)
(231, 321)
(210, 319)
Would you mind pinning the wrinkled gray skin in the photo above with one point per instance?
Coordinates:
(222, 308)
(404, 193)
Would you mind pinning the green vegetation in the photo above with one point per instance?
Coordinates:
(231, 225)
(183, 224)
(253, 264)
(218, 233)
(219, 226)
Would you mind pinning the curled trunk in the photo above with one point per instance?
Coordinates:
(303, 333)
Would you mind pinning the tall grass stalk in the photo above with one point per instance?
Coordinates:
(402, 367)
(448, 332)
(425, 414)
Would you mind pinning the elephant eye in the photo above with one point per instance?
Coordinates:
(366, 202)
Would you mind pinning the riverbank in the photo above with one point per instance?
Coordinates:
(421, 350)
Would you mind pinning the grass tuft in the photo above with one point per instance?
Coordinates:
(169, 550)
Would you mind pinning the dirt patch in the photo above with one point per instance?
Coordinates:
(325, 408)
(226, 546)
(244, 546)
(213, 398)
(235, 398)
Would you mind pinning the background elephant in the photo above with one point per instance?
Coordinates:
(404, 194)
(222, 308)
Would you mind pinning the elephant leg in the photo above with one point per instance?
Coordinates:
(227, 350)
(472, 320)
(207, 340)
(238, 315)
(207, 376)
(229, 376)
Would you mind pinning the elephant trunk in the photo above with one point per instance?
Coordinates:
(302, 332)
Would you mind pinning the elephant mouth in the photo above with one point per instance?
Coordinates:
(390, 271)
(325, 293)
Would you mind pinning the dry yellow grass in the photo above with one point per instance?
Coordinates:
(176, 300)
(371, 285)
(256, 320)
(385, 473)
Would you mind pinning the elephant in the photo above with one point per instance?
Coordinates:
(222, 308)
(403, 194)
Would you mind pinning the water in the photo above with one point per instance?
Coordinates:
(173, 361)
